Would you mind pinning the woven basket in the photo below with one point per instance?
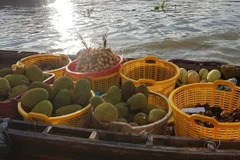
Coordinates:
(158, 127)
(49, 59)
(190, 95)
(159, 75)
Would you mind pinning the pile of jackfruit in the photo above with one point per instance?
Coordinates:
(128, 104)
(15, 81)
(63, 97)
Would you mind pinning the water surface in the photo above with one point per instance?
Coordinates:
(189, 29)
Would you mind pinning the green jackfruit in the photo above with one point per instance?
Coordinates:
(148, 108)
(46, 76)
(133, 124)
(122, 120)
(106, 112)
(33, 96)
(17, 90)
(141, 119)
(137, 101)
(34, 73)
(96, 100)
(64, 82)
(142, 88)
(36, 84)
(156, 115)
(62, 98)
(113, 95)
(122, 109)
(17, 79)
(3, 98)
(4, 87)
(5, 71)
(43, 107)
(127, 90)
(82, 92)
(64, 110)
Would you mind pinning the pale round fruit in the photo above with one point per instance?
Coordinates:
(203, 73)
(193, 77)
(183, 76)
(213, 75)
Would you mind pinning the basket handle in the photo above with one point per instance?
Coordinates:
(32, 115)
(150, 82)
(202, 118)
(151, 59)
(230, 84)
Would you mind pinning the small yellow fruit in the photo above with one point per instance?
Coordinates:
(213, 75)
(183, 76)
(193, 77)
(203, 73)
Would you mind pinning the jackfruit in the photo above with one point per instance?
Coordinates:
(46, 76)
(33, 96)
(44, 107)
(34, 73)
(122, 109)
(81, 93)
(36, 84)
(106, 112)
(156, 115)
(17, 90)
(113, 95)
(127, 90)
(137, 101)
(17, 79)
(64, 110)
(141, 119)
(4, 87)
(64, 82)
(122, 120)
(148, 108)
(5, 71)
(3, 98)
(142, 88)
(133, 124)
(18, 68)
(96, 100)
(62, 98)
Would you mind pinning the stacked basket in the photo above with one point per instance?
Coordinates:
(60, 60)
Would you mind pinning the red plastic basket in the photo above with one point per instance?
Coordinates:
(70, 70)
(8, 109)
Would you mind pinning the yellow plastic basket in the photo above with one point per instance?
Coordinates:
(188, 95)
(158, 127)
(51, 59)
(81, 118)
(159, 75)
(101, 83)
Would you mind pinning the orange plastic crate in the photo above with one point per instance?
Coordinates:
(159, 75)
(188, 95)
(60, 59)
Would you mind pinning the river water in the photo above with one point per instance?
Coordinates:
(189, 29)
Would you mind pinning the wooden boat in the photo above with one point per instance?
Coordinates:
(31, 140)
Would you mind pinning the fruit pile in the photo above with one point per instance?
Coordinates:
(61, 98)
(127, 104)
(217, 113)
(95, 60)
(204, 75)
(15, 81)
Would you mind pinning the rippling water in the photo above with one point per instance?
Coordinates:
(189, 29)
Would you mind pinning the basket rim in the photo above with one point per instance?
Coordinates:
(175, 77)
(162, 121)
(94, 74)
(198, 85)
(49, 55)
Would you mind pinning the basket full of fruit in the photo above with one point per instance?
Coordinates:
(14, 82)
(207, 110)
(132, 109)
(62, 103)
